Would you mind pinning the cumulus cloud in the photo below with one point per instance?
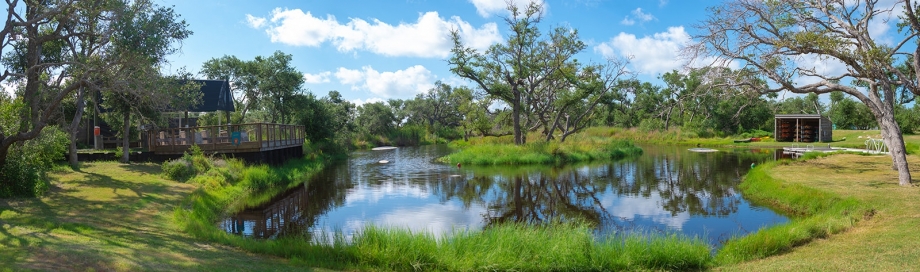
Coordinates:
(487, 8)
(656, 54)
(428, 37)
(401, 83)
(322, 77)
(637, 16)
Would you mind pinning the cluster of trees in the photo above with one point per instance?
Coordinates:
(57, 53)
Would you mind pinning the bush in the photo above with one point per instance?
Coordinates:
(179, 169)
(24, 173)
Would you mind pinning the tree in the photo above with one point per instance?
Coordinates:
(518, 71)
(262, 83)
(376, 118)
(772, 37)
(142, 38)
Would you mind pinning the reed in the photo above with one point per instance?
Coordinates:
(522, 247)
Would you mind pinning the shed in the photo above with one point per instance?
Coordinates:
(802, 128)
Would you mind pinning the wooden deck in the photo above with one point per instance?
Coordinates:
(226, 139)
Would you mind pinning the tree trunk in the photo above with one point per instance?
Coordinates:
(74, 125)
(516, 117)
(126, 135)
(891, 134)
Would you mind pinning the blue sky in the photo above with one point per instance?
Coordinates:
(377, 50)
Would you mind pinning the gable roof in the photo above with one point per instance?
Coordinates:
(215, 96)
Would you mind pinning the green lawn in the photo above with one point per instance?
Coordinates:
(110, 216)
(885, 242)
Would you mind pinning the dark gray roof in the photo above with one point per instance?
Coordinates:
(215, 96)
(800, 116)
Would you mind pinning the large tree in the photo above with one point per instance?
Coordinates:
(518, 71)
(773, 37)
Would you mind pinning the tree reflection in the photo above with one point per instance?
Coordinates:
(664, 181)
(290, 213)
(680, 182)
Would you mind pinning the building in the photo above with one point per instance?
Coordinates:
(802, 128)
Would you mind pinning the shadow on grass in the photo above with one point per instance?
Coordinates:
(89, 221)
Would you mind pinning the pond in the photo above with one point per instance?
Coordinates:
(667, 188)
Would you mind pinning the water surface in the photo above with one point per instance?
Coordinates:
(664, 189)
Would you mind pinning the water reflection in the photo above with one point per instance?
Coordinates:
(667, 188)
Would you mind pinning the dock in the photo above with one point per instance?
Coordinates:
(254, 142)
(797, 150)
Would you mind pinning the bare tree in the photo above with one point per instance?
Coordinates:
(772, 38)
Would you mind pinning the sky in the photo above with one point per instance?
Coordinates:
(377, 50)
(374, 50)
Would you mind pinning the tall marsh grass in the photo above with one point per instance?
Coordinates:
(522, 247)
(577, 148)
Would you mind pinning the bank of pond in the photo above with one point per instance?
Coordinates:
(668, 208)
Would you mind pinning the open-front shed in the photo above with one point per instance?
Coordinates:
(802, 128)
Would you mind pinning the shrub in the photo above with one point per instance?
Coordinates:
(24, 173)
(179, 169)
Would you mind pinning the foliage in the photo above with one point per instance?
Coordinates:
(269, 84)
(25, 171)
(536, 74)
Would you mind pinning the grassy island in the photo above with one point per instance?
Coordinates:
(585, 146)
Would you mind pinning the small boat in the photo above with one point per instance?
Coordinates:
(748, 140)
(383, 148)
(702, 150)
(383, 162)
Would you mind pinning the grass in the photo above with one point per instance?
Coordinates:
(520, 247)
(112, 217)
(834, 194)
(577, 148)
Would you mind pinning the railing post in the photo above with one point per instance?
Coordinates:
(259, 134)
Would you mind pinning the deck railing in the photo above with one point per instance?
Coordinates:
(237, 138)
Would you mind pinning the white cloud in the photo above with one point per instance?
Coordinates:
(637, 16)
(662, 3)
(255, 22)
(627, 21)
(428, 37)
(632, 208)
(401, 83)
(322, 77)
(653, 55)
(487, 8)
